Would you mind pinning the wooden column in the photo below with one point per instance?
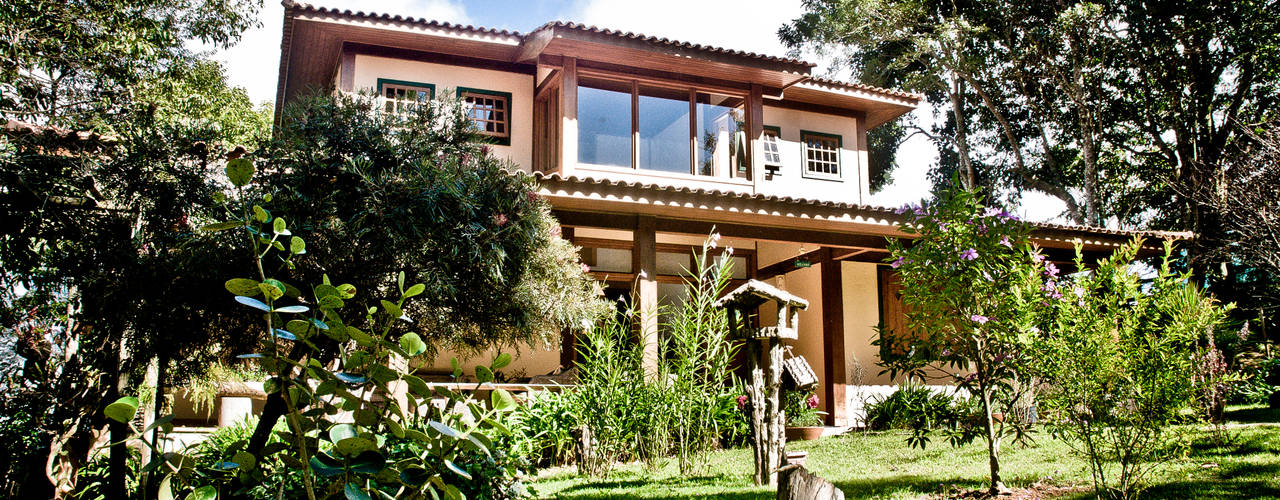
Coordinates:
(569, 116)
(644, 264)
(755, 130)
(833, 349)
(568, 341)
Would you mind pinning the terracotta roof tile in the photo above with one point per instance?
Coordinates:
(669, 42)
(886, 213)
(868, 88)
(423, 22)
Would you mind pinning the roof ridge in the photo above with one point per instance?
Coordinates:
(671, 41)
(292, 4)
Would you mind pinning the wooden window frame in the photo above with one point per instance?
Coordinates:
(776, 133)
(838, 176)
(405, 84)
(693, 90)
(497, 139)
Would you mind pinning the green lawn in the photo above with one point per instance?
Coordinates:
(880, 465)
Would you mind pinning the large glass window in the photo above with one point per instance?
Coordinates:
(604, 124)
(720, 142)
(664, 130)
(674, 129)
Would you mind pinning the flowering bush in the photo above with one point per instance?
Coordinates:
(1126, 359)
(971, 281)
(801, 409)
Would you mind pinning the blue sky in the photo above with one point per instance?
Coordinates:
(749, 25)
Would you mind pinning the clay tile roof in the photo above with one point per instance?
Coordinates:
(423, 22)
(669, 42)
(872, 211)
(867, 88)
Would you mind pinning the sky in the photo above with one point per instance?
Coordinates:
(749, 25)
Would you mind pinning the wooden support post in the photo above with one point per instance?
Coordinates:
(833, 349)
(755, 131)
(569, 116)
(775, 436)
(568, 341)
(644, 265)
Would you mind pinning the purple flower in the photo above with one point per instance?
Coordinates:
(1050, 269)
(969, 254)
(897, 263)
(1005, 241)
(979, 319)
(919, 211)
(903, 209)
(992, 212)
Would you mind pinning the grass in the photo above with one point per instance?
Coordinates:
(880, 465)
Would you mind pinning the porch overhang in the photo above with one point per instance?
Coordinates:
(580, 201)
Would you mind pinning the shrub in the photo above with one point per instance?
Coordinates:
(914, 406)
(547, 423)
(1121, 362)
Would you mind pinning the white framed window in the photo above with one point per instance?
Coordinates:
(402, 98)
(490, 113)
(772, 152)
(821, 154)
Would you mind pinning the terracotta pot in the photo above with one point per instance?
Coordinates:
(803, 433)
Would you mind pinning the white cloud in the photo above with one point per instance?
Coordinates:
(748, 25)
(254, 63)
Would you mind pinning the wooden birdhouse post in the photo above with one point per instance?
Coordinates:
(764, 353)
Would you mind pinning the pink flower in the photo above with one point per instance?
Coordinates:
(1050, 269)
(500, 219)
(969, 254)
(586, 268)
(812, 401)
(742, 402)
(979, 319)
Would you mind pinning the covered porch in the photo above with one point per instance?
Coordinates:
(637, 236)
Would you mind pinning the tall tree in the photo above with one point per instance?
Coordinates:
(1106, 106)
(77, 63)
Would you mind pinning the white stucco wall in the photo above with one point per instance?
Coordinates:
(852, 185)
(448, 78)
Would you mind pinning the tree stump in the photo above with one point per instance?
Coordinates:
(796, 483)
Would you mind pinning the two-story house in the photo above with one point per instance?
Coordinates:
(643, 145)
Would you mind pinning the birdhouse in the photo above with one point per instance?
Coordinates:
(744, 300)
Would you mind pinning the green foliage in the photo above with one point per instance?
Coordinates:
(1124, 363)
(79, 64)
(696, 357)
(547, 422)
(973, 285)
(375, 194)
(684, 406)
(198, 95)
(914, 406)
(400, 443)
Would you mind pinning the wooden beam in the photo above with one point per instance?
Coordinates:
(842, 254)
(550, 82)
(833, 348)
(704, 227)
(779, 268)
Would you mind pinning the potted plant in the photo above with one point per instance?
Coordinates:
(804, 421)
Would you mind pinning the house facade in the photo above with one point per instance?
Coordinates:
(644, 146)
